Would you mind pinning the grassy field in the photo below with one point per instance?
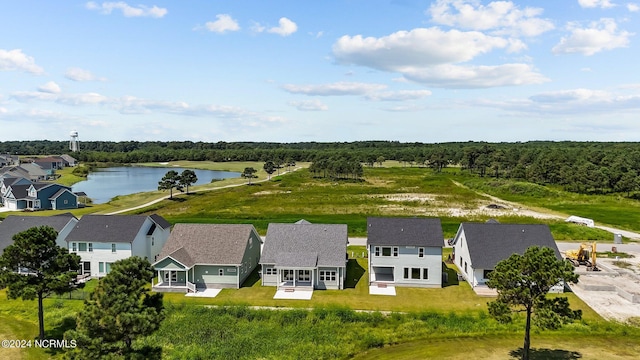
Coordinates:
(613, 210)
(392, 191)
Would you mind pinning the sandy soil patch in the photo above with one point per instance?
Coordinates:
(271, 192)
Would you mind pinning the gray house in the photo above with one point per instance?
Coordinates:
(304, 255)
(200, 256)
(12, 225)
(478, 247)
(405, 251)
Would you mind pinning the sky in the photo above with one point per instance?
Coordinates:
(299, 71)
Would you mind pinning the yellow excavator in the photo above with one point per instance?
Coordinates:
(585, 255)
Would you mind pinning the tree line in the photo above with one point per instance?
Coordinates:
(582, 167)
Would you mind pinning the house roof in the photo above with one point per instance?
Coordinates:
(296, 244)
(108, 228)
(159, 220)
(219, 244)
(60, 192)
(14, 224)
(19, 191)
(404, 231)
(489, 243)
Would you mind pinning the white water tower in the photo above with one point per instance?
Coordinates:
(74, 143)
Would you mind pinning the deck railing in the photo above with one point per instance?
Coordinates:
(191, 287)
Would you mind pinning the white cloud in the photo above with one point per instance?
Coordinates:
(286, 27)
(599, 36)
(604, 4)
(402, 95)
(17, 60)
(339, 88)
(77, 74)
(572, 102)
(309, 105)
(420, 47)
(128, 10)
(67, 99)
(428, 56)
(633, 7)
(50, 87)
(224, 23)
(470, 77)
(501, 17)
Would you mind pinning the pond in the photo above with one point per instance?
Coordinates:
(105, 183)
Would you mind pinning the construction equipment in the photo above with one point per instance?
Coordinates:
(585, 255)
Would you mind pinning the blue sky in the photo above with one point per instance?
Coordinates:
(293, 71)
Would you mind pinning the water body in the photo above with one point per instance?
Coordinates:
(105, 183)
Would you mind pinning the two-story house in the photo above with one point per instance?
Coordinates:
(101, 240)
(405, 251)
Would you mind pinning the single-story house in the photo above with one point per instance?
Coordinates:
(478, 247)
(101, 240)
(405, 251)
(13, 224)
(200, 256)
(305, 255)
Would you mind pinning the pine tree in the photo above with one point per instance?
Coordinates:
(120, 310)
(34, 267)
(523, 282)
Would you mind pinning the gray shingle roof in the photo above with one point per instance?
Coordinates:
(488, 243)
(159, 220)
(296, 244)
(107, 228)
(216, 244)
(404, 231)
(14, 224)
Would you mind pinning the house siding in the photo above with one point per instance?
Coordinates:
(408, 258)
(59, 203)
(204, 275)
(102, 252)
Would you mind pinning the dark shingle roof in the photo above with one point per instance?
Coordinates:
(107, 228)
(20, 191)
(404, 231)
(297, 244)
(159, 220)
(216, 244)
(488, 243)
(14, 224)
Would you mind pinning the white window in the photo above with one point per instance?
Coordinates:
(425, 274)
(327, 275)
(74, 247)
(304, 275)
(101, 267)
(287, 275)
(171, 274)
(221, 272)
(113, 248)
(82, 246)
(406, 273)
(90, 247)
(270, 271)
(421, 252)
(377, 251)
(387, 251)
(415, 273)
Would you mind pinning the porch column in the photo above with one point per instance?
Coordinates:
(170, 275)
(313, 279)
(295, 275)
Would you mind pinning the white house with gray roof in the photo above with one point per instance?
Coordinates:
(201, 256)
(101, 240)
(478, 247)
(305, 255)
(405, 251)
